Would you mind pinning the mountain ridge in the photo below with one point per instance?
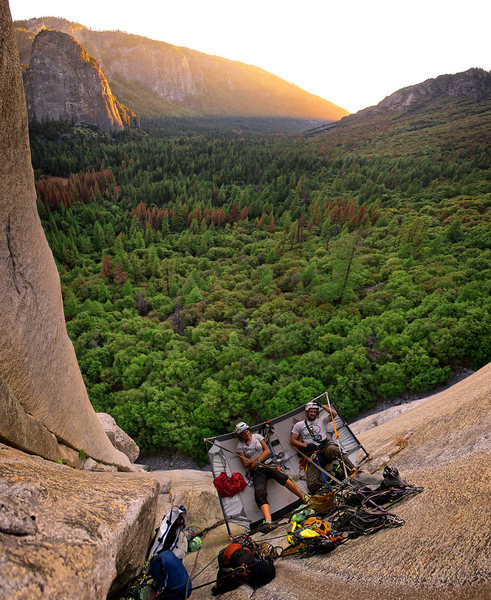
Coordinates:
(474, 84)
(428, 98)
(175, 80)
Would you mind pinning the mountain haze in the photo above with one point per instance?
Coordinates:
(155, 78)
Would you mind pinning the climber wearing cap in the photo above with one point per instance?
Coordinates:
(255, 456)
(312, 438)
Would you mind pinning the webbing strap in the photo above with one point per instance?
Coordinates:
(310, 430)
(321, 472)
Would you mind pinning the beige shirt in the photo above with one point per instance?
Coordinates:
(253, 449)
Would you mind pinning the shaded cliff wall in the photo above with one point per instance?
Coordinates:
(63, 83)
(37, 360)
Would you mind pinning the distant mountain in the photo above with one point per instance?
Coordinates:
(473, 84)
(156, 78)
(63, 83)
(433, 101)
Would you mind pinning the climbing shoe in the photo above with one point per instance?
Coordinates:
(267, 526)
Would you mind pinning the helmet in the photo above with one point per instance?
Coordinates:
(310, 405)
(240, 427)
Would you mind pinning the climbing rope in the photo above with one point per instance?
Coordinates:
(205, 567)
(337, 436)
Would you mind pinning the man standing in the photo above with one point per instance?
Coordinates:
(312, 438)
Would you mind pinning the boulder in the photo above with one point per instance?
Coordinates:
(37, 360)
(22, 431)
(91, 465)
(193, 489)
(66, 533)
(119, 439)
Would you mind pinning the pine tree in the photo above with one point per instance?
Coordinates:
(107, 266)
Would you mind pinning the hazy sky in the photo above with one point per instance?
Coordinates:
(351, 52)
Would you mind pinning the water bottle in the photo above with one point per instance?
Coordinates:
(300, 516)
(195, 544)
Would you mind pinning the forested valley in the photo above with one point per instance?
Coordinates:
(216, 270)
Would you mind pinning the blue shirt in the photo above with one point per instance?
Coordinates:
(170, 574)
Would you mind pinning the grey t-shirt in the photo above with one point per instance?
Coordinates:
(321, 426)
(253, 449)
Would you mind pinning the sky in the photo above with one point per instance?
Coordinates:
(351, 52)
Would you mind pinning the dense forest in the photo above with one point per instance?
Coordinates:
(218, 270)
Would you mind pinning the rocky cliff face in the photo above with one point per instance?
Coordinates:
(66, 533)
(44, 407)
(63, 83)
(158, 78)
(441, 553)
(473, 84)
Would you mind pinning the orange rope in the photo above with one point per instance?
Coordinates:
(333, 423)
(337, 437)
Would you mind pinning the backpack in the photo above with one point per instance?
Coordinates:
(170, 575)
(171, 535)
(241, 562)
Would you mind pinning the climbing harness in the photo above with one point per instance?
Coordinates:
(309, 460)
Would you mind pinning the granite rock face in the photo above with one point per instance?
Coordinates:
(174, 75)
(195, 490)
(37, 362)
(190, 487)
(66, 533)
(63, 83)
(442, 443)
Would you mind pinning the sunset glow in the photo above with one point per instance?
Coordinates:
(353, 53)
